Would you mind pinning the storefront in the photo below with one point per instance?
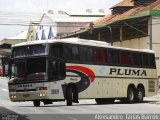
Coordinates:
(5, 50)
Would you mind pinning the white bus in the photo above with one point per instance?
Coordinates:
(72, 69)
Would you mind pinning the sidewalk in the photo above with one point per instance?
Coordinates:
(154, 99)
(157, 97)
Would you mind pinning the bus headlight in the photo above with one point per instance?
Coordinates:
(41, 94)
(13, 96)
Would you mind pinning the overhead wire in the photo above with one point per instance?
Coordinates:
(24, 19)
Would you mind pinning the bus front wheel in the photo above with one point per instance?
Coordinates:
(36, 103)
(69, 96)
(131, 95)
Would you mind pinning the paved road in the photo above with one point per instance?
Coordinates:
(150, 106)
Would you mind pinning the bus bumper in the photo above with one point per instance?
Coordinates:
(28, 96)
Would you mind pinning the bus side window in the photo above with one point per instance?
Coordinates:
(75, 53)
(72, 53)
(57, 70)
(145, 58)
(86, 54)
(101, 56)
(137, 59)
(113, 57)
(125, 58)
(56, 51)
(152, 61)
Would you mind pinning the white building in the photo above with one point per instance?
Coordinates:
(56, 24)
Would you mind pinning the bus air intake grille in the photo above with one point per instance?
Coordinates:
(151, 86)
(25, 90)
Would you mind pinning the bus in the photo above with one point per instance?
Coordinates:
(72, 69)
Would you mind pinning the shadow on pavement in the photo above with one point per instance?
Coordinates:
(6, 114)
(89, 104)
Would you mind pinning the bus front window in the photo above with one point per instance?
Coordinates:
(36, 69)
(32, 69)
(18, 70)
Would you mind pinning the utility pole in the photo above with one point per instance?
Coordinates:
(150, 32)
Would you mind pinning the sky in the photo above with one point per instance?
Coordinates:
(22, 11)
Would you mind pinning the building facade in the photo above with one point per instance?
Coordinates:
(54, 25)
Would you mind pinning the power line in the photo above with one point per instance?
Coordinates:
(51, 24)
(23, 19)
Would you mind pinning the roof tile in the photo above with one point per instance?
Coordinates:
(135, 10)
(124, 3)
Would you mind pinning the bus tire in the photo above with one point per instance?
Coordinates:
(69, 96)
(36, 103)
(131, 95)
(139, 95)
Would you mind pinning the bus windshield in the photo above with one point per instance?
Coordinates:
(29, 50)
(18, 69)
(31, 69)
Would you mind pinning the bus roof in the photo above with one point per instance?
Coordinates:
(79, 42)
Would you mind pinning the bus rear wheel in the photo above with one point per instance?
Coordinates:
(36, 103)
(69, 96)
(131, 95)
(139, 95)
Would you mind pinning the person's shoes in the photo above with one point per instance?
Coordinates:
(75, 101)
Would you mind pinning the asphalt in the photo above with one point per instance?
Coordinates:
(6, 114)
(10, 114)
